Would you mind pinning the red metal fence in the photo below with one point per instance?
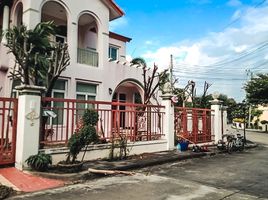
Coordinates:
(8, 125)
(194, 124)
(136, 122)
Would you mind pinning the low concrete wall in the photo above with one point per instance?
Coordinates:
(102, 150)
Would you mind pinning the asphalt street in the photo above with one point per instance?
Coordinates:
(241, 175)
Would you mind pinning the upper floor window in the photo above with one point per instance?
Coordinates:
(113, 52)
(54, 11)
(60, 38)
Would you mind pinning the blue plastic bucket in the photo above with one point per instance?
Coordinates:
(183, 146)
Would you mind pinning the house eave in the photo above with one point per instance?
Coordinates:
(119, 37)
(115, 10)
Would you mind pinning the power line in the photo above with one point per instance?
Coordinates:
(252, 51)
(214, 78)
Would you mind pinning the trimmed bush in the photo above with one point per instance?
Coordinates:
(39, 162)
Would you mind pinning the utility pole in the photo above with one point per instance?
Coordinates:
(244, 112)
(171, 71)
(250, 75)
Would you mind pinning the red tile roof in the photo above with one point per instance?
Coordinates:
(116, 7)
(119, 37)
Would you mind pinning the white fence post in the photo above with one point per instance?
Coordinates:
(168, 121)
(224, 119)
(28, 126)
(216, 107)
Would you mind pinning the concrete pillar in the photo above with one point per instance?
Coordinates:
(28, 126)
(72, 39)
(168, 121)
(5, 22)
(216, 107)
(224, 120)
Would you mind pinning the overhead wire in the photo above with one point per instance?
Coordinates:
(223, 67)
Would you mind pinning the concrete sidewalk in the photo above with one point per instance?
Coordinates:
(25, 182)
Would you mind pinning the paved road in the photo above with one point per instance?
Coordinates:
(237, 176)
(261, 138)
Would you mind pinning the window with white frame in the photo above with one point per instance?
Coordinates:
(59, 91)
(113, 52)
(87, 92)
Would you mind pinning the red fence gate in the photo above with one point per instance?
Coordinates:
(8, 126)
(194, 124)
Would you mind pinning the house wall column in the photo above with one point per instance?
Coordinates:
(28, 126)
(5, 26)
(31, 13)
(168, 121)
(72, 39)
(216, 107)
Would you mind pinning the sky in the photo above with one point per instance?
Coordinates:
(222, 42)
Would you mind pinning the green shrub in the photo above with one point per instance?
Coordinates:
(39, 162)
(90, 117)
(264, 122)
(86, 135)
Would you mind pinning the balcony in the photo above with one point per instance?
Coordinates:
(88, 57)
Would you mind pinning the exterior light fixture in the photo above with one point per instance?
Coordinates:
(110, 91)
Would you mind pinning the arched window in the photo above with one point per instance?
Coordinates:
(53, 11)
(18, 15)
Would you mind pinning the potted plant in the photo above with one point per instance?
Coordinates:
(84, 135)
(39, 162)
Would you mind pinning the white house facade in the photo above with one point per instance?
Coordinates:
(98, 69)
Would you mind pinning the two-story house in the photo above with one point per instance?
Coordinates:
(98, 69)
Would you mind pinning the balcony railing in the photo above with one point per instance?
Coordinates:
(88, 57)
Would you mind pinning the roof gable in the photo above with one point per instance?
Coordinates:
(115, 10)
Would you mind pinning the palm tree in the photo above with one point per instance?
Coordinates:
(38, 61)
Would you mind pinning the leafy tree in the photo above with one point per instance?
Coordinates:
(38, 61)
(257, 89)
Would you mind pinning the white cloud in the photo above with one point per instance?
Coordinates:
(231, 43)
(149, 42)
(118, 23)
(236, 15)
(129, 58)
(234, 3)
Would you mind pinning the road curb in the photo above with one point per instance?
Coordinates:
(130, 165)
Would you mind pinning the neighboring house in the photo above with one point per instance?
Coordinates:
(98, 69)
(263, 117)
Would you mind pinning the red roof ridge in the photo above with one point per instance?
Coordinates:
(116, 7)
(119, 37)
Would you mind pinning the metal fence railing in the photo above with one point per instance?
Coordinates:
(136, 122)
(194, 124)
(8, 127)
